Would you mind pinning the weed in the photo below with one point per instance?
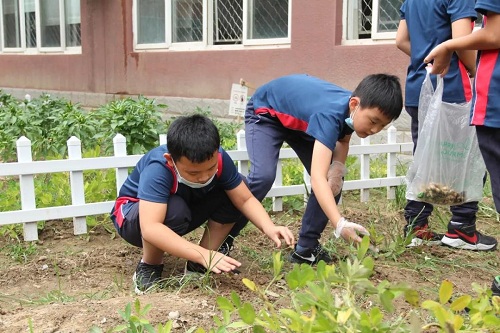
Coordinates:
(20, 251)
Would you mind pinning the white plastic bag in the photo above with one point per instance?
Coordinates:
(447, 167)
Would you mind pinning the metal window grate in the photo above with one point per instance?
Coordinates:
(228, 21)
(388, 11)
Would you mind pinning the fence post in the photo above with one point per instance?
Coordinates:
(242, 145)
(391, 162)
(76, 185)
(27, 187)
(278, 181)
(307, 184)
(163, 139)
(365, 170)
(120, 149)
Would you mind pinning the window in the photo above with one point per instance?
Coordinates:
(374, 19)
(371, 19)
(200, 23)
(39, 25)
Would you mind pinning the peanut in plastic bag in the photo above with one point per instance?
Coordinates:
(447, 167)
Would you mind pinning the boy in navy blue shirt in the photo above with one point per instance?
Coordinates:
(174, 189)
(485, 113)
(316, 118)
(424, 24)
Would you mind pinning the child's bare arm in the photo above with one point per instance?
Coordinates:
(322, 155)
(243, 199)
(460, 28)
(403, 38)
(486, 38)
(158, 238)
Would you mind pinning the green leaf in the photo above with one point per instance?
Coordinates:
(235, 298)
(224, 304)
(412, 297)
(445, 291)
(250, 284)
(460, 303)
(247, 313)
(363, 247)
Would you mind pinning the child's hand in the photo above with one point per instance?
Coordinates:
(349, 231)
(275, 233)
(440, 57)
(219, 262)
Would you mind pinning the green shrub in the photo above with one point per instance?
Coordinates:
(139, 121)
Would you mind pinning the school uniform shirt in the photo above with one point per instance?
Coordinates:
(154, 180)
(486, 100)
(306, 103)
(429, 24)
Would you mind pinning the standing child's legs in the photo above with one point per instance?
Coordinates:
(489, 144)
(314, 220)
(417, 213)
(462, 232)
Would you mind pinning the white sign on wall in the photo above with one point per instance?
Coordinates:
(238, 100)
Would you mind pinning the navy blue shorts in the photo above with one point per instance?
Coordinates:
(181, 217)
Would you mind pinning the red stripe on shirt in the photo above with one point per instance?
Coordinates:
(465, 81)
(485, 68)
(118, 212)
(286, 120)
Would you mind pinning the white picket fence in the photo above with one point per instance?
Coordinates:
(26, 168)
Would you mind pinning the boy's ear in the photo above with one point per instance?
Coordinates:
(169, 159)
(353, 103)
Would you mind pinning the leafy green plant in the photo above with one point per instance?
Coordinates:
(322, 299)
(138, 120)
(464, 313)
(136, 321)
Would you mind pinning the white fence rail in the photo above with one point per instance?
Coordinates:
(26, 168)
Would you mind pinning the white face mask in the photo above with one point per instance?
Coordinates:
(186, 182)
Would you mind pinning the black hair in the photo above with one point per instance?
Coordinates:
(195, 137)
(382, 91)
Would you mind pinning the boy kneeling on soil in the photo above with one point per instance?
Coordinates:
(177, 187)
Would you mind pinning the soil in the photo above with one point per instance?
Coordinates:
(74, 283)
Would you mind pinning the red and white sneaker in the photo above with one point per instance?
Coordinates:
(467, 237)
(422, 235)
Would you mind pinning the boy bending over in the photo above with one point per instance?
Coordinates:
(316, 118)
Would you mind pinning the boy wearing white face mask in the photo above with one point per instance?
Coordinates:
(316, 118)
(176, 188)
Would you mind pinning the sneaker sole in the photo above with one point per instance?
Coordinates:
(458, 243)
(299, 261)
(419, 242)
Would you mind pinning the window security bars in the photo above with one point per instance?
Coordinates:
(374, 19)
(163, 23)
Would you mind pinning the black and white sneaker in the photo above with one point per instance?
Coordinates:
(310, 256)
(466, 237)
(226, 248)
(146, 277)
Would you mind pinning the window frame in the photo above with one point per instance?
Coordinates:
(39, 49)
(207, 41)
(350, 23)
(375, 33)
